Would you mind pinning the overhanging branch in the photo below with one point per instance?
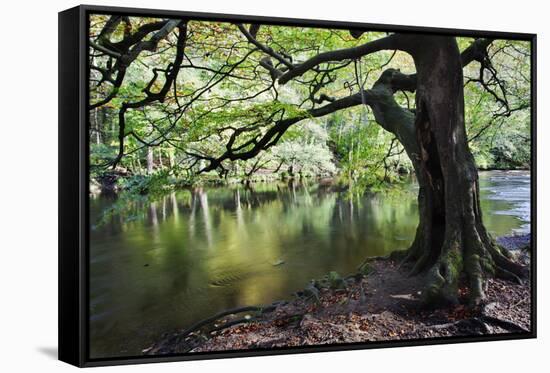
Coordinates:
(391, 42)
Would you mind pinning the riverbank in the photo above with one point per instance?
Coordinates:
(120, 180)
(380, 305)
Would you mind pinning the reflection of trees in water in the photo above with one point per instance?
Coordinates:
(237, 200)
(302, 208)
(344, 233)
(374, 224)
(253, 198)
(203, 200)
(164, 208)
(192, 214)
(153, 217)
(311, 228)
(174, 203)
(238, 209)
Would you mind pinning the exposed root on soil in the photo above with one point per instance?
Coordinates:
(482, 321)
(467, 257)
(234, 311)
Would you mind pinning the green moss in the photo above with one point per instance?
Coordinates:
(432, 294)
(366, 269)
(454, 265)
(487, 266)
(335, 281)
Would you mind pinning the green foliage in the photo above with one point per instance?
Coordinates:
(101, 153)
(223, 98)
(336, 281)
(153, 184)
(499, 134)
(136, 191)
(361, 147)
(304, 151)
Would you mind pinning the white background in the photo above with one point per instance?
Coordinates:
(28, 184)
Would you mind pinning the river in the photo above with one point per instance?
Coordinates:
(161, 266)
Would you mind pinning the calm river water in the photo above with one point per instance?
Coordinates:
(167, 264)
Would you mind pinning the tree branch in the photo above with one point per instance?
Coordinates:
(263, 48)
(390, 79)
(273, 134)
(394, 41)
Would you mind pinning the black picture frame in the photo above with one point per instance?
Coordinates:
(74, 183)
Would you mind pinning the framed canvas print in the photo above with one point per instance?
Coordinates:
(237, 185)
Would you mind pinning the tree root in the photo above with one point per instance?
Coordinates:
(483, 320)
(200, 324)
(419, 265)
(504, 324)
(506, 275)
(503, 262)
(464, 323)
(374, 258)
(242, 320)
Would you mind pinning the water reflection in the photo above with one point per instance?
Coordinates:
(164, 265)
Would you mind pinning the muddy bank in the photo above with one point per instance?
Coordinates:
(378, 305)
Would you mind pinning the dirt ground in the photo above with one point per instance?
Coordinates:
(382, 305)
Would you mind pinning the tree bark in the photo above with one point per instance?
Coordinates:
(150, 160)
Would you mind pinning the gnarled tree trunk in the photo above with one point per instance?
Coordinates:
(451, 242)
